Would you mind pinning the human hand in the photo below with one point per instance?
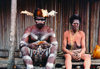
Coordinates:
(79, 54)
(33, 45)
(76, 56)
(71, 53)
(42, 42)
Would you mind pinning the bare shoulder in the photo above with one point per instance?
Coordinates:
(49, 29)
(28, 29)
(82, 33)
(46, 27)
(66, 32)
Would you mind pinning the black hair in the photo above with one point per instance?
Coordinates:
(75, 16)
(38, 13)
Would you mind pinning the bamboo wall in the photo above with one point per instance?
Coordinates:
(89, 10)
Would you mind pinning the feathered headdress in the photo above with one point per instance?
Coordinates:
(40, 13)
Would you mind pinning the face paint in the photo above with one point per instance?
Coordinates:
(40, 19)
(40, 22)
(40, 25)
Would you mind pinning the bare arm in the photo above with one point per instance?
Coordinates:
(83, 43)
(24, 40)
(53, 52)
(65, 43)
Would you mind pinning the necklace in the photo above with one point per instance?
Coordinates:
(72, 38)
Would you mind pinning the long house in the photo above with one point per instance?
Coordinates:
(89, 10)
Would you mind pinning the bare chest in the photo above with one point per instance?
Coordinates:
(40, 35)
(74, 38)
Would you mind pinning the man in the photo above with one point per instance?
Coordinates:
(74, 44)
(39, 45)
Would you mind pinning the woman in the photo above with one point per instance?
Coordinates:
(74, 44)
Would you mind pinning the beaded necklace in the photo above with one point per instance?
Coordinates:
(72, 38)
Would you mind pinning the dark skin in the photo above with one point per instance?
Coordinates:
(40, 35)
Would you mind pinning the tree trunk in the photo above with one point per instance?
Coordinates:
(12, 34)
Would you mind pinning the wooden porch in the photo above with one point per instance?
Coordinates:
(59, 64)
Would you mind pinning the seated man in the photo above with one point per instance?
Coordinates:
(74, 44)
(39, 45)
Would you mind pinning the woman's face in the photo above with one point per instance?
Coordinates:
(75, 24)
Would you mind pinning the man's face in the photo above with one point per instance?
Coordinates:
(75, 24)
(40, 22)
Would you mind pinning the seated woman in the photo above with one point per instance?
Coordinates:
(74, 44)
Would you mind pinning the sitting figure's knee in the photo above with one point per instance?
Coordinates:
(67, 56)
(25, 51)
(88, 56)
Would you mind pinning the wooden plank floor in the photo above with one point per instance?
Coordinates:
(19, 64)
(59, 63)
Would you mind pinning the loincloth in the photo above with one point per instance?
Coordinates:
(40, 55)
(76, 51)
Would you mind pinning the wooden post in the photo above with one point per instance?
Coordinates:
(92, 25)
(87, 27)
(12, 34)
(99, 27)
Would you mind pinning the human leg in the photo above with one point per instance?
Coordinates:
(26, 57)
(87, 60)
(68, 62)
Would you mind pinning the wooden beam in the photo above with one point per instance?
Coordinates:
(99, 26)
(92, 25)
(11, 60)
